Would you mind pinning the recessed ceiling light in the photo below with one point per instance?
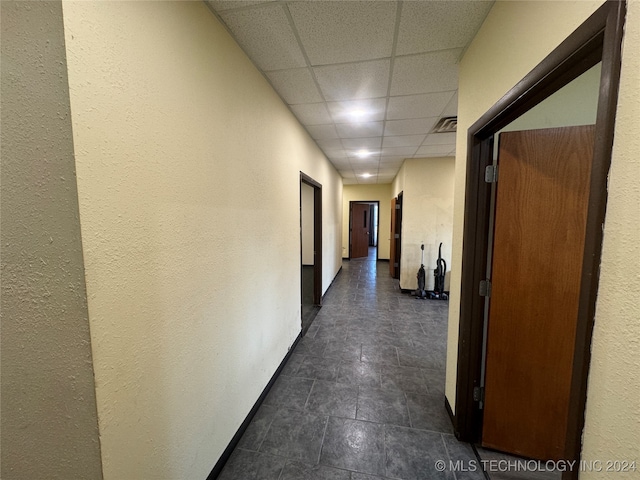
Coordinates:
(362, 153)
(365, 175)
(358, 114)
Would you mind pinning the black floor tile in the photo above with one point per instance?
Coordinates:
(257, 430)
(299, 471)
(246, 465)
(360, 373)
(354, 445)
(289, 392)
(381, 406)
(295, 434)
(429, 413)
(330, 398)
(412, 454)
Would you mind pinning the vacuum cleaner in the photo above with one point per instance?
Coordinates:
(421, 293)
(438, 292)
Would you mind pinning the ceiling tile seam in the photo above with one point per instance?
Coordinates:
(421, 94)
(254, 6)
(396, 33)
(428, 52)
(296, 34)
(263, 73)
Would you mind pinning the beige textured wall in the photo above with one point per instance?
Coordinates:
(427, 216)
(381, 193)
(49, 419)
(189, 188)
(515, 37)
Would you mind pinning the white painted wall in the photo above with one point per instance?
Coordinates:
(188, 180)
(307, 213)
(427, 216)
(368, 192)
(514, 38)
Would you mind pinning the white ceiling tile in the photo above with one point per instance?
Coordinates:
(372, 109)
(322, 132)
(338, 32)
(339, 154)
(350, 81)
(451, 110)
(425, 73)
(428, 26)
(265, 34)
(417, 106)
(341, 163)
(403, 141)
(434, 150)
(399, 151)
(370, 143)
(388, 171)
(347, 173)
(355, 130)
(330, 144)
(295, 86)
(349, 181)
(409, 127)
(222, 5)
(440, 139)
(395, 161)
(311, 113)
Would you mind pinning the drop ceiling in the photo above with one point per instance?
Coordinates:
(367, 79)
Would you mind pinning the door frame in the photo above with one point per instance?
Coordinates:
(317, 237)
(351, 202)
(599, 38)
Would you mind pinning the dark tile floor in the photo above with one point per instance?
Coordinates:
(362, 396)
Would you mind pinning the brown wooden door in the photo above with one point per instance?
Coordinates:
(540, 221)
(392, 245)
(359, 230)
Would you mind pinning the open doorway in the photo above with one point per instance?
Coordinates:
(364, 229)
(598, 39)
(310, 249)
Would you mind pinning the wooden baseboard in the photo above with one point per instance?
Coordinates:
(217, 469)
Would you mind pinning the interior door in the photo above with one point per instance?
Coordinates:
(392, 238)
(359, 230)
(540, 221)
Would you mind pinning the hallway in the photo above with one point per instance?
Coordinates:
(362, 396)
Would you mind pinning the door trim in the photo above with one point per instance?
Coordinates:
(317, 237)
(599, 38)
(377, 202)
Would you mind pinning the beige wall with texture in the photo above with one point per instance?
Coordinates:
(427, 216)
(189, 190)
(515, 37)
(49, 420)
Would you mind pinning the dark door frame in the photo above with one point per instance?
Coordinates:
(599, 38)
(398, 231)
(351, 202)
(317, 237)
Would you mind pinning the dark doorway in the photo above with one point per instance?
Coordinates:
(598, 39)
(363, 228)
(310, 249)
(395, 250)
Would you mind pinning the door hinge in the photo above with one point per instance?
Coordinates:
(485, 288)
(397, 206)
(491, 174)
(478, 394)
(396, 235)
(395, 264)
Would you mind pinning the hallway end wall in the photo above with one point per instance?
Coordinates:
(189, 190)
(427, 216)
(514, 38)
(379, 192)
